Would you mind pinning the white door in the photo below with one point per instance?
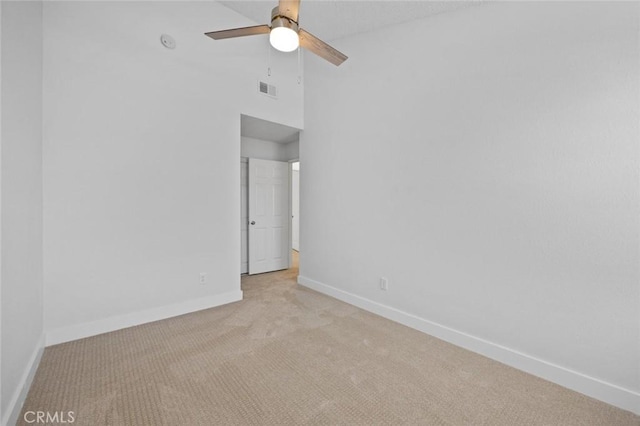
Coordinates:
(295, 208)
(268, 216)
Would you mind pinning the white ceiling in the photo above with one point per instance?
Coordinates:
(266, 130)
(333, 19)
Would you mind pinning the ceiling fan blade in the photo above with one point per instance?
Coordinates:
(289, 8)
(239, 32)
(320, 48)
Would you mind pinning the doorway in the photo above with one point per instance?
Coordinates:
(267, 152)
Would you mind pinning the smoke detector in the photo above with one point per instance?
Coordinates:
(167, 41)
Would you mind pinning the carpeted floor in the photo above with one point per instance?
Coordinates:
(286, 355)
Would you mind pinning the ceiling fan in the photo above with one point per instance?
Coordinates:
(285, 34)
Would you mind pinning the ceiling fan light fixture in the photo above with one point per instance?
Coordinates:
(284, 34)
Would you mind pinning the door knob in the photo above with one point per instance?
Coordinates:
(253, 222)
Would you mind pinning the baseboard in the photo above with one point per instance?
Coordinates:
(20, 395)
(590, 386)
(80, 331)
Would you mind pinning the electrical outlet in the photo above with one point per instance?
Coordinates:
(384, 284)
(203, 277)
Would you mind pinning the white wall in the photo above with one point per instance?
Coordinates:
(141, 148)
(268, 150)
(492, 176)
(292, 150)
(21, 116)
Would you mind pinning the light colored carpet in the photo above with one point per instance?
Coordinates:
(290, 356)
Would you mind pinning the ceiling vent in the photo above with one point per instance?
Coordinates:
(267, 89)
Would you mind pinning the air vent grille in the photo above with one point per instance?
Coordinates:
(267, 89)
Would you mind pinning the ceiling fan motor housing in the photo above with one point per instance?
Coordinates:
(279, 20)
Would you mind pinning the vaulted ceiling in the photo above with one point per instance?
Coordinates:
(331, 20)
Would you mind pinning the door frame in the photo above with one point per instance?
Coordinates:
(297, 160)
(245, 160)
